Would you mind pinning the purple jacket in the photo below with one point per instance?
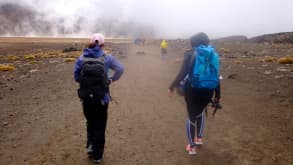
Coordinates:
(110, 61)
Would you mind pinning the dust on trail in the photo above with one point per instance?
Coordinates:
(145, 126)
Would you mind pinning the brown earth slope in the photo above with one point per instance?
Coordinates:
(42, 121)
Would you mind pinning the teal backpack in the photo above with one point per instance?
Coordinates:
(205, 73)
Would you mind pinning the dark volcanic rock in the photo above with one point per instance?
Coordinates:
(286, 37)
(232, 39)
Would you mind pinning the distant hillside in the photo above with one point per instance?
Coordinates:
(239, 38)
(286, 37)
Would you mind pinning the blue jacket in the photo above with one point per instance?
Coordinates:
(110, 61)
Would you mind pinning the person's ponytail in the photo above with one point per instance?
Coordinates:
(93, 44)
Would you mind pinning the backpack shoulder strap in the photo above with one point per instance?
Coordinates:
(192, 62)
(102, 59)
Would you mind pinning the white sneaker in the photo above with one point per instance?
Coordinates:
(97, 161)
(198, 141)
(191, 150)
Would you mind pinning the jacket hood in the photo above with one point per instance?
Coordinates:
(93, 52)
(206, 50)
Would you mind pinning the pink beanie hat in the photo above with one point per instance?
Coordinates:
(98, 37)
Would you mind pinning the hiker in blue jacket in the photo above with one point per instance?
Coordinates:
(96, 112)
(196, 98)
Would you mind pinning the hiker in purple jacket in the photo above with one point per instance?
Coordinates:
(96, 112)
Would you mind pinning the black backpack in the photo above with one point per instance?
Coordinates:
(93, 79)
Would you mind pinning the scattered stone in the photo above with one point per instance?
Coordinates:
(53, 62)
(232, 76)
(269, 59)
(224, 50)
(237, 61)
(282, 69)
(251, 53)
(278, 76)
(5, 123)
(34, 70)
(26, 64)
(268, 72)
(70, 49)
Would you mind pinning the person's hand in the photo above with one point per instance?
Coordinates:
(216, 100)
(170, 92)
(216, 103)
(110, 81)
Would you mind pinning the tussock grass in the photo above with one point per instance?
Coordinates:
(6, 67)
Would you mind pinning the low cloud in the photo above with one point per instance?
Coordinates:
(151, 18)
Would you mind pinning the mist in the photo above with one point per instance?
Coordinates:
(151, 18)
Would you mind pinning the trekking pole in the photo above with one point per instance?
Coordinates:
(206, 108)
(216, 107)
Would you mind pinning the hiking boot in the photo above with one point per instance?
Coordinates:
(90, 149)
(191, 150)
(98, 160)
(198, 141)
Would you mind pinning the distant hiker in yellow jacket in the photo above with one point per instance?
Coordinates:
(164, 46)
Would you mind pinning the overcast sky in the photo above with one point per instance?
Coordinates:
(182, 18)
